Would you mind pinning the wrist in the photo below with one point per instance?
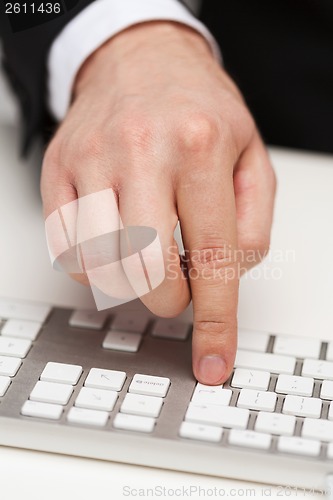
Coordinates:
(140, 44)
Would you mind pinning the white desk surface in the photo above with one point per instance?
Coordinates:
(289, 296)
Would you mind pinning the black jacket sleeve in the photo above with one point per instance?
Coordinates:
(26, 39)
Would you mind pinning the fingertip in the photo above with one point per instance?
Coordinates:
(211, 370)
(214, 353)
(164, 306)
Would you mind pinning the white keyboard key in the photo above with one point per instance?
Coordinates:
(133, 423)
(292, 384)
(87, 417)
(9, 366)
(147, 406)
(149, 385)
(326, 391)
(317, 369)
(250, 379)
(200, 432)
(273, 363)
(213, 395)
(252, 341)
(4, 384)
(105, 379)
(96, 399)
(18, 348)
(122, 341)
(215, 388)
(170, 329)
(317, 429)
(50, 392)
(21, 329)
(330, 412)
(62, 373)
(330, 451)
(302, 407)
(297, 346)
(41, 410)
(11, 309)
(93, 320)
(329, 353)
(250, 439)
(222, 416)
(256, 400)
(131, 321)
(298, 446)
(275, 423)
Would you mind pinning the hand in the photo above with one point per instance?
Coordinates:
(155, 118)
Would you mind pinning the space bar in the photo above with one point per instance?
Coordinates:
(274, 363)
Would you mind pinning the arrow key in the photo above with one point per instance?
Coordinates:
(17, 348)
(96, 399)
(214, 395)
(105, 379)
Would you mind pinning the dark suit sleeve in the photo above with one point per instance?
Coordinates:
(26, 41)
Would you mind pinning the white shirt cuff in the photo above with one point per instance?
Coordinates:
(94, 26)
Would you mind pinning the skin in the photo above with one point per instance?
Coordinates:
(156, 118)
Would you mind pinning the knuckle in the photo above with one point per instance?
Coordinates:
(198, 133)
(214, 263)
(69, 149)
(136, 133)
(217, 327)
(221, 255)
(91, 146)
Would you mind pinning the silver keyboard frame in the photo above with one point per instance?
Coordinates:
(163, 448)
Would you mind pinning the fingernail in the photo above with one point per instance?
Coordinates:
(211, 369)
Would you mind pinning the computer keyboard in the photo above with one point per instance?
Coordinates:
(118, 385)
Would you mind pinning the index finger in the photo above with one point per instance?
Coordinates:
(206, 208)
